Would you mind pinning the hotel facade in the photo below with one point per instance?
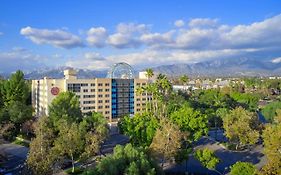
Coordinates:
(112, 97)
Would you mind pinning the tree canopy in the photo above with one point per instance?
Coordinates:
(207, 158)
(241, 127)
(243, 168)
(126, 160)
(65, 106)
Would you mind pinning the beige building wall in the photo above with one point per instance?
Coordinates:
(140, 99)
(94, 94)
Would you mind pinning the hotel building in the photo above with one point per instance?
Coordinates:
(114, 97)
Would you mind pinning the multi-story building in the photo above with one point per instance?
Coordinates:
(113, 97)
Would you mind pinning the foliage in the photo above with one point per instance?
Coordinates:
(69, 142)
(40, 158)
(65, 106)
(14, 103)
(7, 130)
(247, 100)
(243, 168)
(167, 141)
(241, 127)
(95, 130)
(19, 112)
(126, 160)
(191, 121)
(207, 158)
(141, 128)
(149, 73)
(15, 89)
(272, 148)
(65, 138)
(269, 110)
(184, 79)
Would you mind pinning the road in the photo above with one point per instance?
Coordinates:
(16, 156)
(227, 158)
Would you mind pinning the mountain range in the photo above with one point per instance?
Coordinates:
(215, 68)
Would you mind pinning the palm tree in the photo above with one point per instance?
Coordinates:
(149, 73)
(183, 80)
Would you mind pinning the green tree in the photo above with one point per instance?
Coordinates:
(191, 121)
(141, 128)
(94, 128)
(247, 100)
(167, 141)
(19, 112)
(207, 158)
(243, 168)
(184, 80)
(69, 142)
(65, 106)
(272, 148)
(149, 73)
(126, 160)
(15, 89)
(40, 158)
(241, 127)
(269, 110)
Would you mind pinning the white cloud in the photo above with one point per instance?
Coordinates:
(157, 38)
(97, 36)
(202, 22)
(93, 56)
(20, 58)
(204, 39)
(276, 60)
(90, 60)
(129, 28)
(58, 38)
(179, 23)
(120, 40)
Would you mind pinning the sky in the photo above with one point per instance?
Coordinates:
(92, 34)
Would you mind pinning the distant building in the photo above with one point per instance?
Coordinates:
(114, 96)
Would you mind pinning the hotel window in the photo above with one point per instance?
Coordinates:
(107, 106)
(138, 99)
(100, 90)
(100, 95)
(74, 87)
(107, 95)
(85, 90)
(93, 84)
(88, 107)
(100, 84)
(93, 90)
(106, 84)
(143, 98)
(99, 107)
(138, 109)
(143, 84)
(88, 102)
(138, 84)
(106, 101)
(88, 96)
(100, 101)
(138, 104)
(84, 84)
(106, 90)
(106, 112)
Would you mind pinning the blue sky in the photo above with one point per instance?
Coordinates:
(96, 34)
